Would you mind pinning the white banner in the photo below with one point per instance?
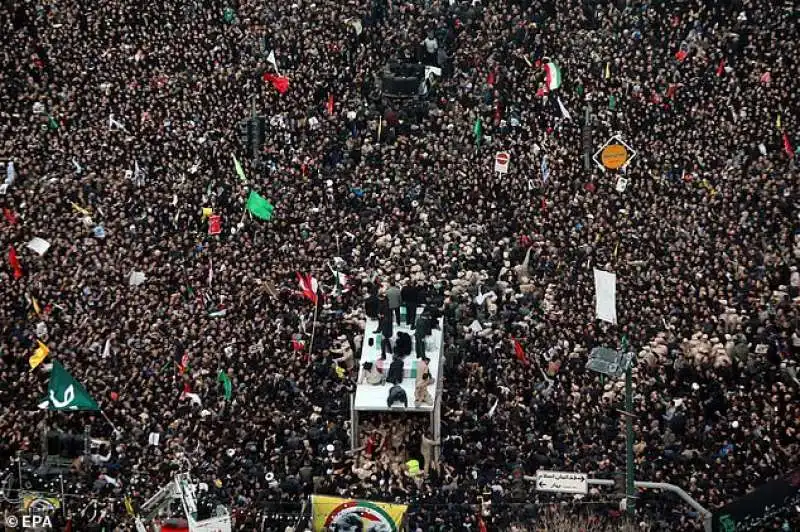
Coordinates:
(605, 286)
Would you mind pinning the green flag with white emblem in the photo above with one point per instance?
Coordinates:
(65, 393)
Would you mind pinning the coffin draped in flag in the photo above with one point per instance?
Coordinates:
(66, 393)
(309, 286)
(552, 76)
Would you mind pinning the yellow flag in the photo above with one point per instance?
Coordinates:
(128, 505)
(36, 307)
(39, 355)
(608, 70)
(207, 211)
(81, 209)
(778, 122)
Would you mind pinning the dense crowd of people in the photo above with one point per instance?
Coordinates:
(122, 116)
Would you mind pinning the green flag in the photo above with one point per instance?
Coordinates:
(65, 393)
(226, 383)
(624, 343)
(228, 14)
(239, 170)
(259, 206)
(52, 123)
(477, 129)
(612, 102)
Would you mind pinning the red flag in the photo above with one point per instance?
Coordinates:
(186, 389)
(184, 363)
(481, 524)
(766, 77)
(544, 204)
(214, 224)
(13, 260)
(520, 352)
(68, 528)
(787, 145)
(671, 89)
(680, 55)
(309, 286)
(281, 83)
(329, 106)
(721, 67)
(491, 78)
(297, 345)
(10, 216)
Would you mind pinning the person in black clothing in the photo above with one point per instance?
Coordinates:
(410, 295)
(385, 326)
(372, 306)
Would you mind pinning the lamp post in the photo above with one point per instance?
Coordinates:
(614, 364)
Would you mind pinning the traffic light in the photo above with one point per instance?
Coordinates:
(245, 132)
(259, 134)
(252, 133)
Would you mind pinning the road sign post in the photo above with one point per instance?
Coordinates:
(562, 482)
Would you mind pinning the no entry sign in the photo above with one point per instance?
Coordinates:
(501, 160)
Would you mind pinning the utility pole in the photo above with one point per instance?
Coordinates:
(629, 465)
(587, 138)
(615, 363)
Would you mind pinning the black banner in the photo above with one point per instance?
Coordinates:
(754, 510)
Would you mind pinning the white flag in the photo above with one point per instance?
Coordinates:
(114, 124)
(271, 60)
(494, 407)
(39, 245)
(605, 286)
(138, 174)
(194, 398)
(11, 173)
(564, 111)
(136, 278)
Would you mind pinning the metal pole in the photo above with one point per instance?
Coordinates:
(586, 137)
(313, 328)
(19, 470)
(629, 466)
(63, 502)
(660, 486)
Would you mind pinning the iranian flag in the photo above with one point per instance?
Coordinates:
(552, 76)
(309, 286)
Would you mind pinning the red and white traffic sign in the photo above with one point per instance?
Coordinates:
(501, 160)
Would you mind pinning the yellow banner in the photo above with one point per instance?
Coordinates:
(349, 514)
(34, 501)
